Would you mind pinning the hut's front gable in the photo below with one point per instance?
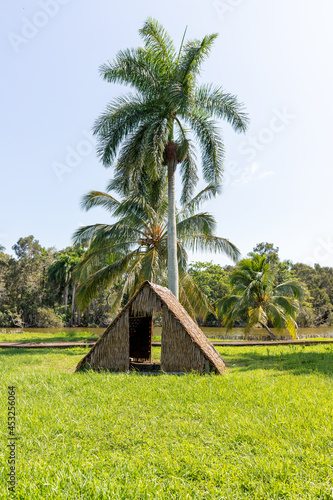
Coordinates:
(145, 303)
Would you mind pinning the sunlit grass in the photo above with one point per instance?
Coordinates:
(72, 336)
(262, 431)
(81, 336)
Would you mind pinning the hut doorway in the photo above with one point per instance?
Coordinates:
(140, 335)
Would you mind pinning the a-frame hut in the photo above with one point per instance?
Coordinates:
(184, 347)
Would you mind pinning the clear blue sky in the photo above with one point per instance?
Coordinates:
(276, 56)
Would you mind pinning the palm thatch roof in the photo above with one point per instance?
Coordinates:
(164, 297)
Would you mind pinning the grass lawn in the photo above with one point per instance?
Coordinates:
(262, 431)
(80, 336)
(73, 336)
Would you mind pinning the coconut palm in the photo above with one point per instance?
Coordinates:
(255, 296)
(156, 126)
(135, 248)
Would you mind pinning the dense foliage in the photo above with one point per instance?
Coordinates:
(29, 284)
(134, 248)
(37, 288)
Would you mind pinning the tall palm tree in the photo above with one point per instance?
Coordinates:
(255, 296)
(156, 126)
(135, 248)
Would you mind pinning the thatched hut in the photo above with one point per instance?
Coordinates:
(127, 340)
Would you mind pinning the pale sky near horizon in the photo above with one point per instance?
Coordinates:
(277, 58)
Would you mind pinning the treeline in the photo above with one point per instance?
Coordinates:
(38, 285)
(37, 288)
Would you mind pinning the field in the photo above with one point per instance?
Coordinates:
(262, 431)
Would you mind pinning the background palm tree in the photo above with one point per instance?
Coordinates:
(135, 248)
(61, 272)
(156, 127)
(255, 296)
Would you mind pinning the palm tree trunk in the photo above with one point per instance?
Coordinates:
(269, 331)
(172, 231)
(66, 296)
(73, 304)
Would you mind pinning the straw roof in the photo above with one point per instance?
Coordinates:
(164, 297)
(191, 327)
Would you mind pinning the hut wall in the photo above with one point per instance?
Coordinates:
(112, 351)
(178, 353)
(146, 303)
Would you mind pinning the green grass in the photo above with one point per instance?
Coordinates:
(72, 336)
(262, 431)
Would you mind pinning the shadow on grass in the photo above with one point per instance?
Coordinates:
(297, 362)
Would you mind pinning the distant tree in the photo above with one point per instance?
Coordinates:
(61, 271)
(255, 295)
(211, 278)
(27, 247)
(268, 249)
(283, 268)
(213, 281)
(24, 279)
(319, 281)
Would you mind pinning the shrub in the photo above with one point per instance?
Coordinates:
(5, 320)
(47, 318)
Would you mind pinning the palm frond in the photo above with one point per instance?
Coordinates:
(85, 233)
(212, 149)
(191, 295)
(159, 43)
(202, 223)
(192, 56)
(132, 67)
(289, 306)
(99, 199)
(205, 194)
(214, 244)
(188, 166)
(103, 278)
(121, 118)
(292, 288)
(220, 104)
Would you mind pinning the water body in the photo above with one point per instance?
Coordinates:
(213, 333)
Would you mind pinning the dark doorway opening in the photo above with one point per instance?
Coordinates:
(140, 335)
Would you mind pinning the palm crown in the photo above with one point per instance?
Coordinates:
(158, 124)
(255, 296)
(134, 248)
